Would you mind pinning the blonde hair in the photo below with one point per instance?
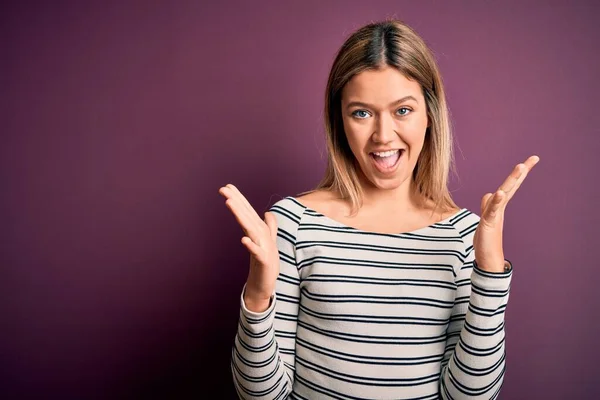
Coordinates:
(389, 43)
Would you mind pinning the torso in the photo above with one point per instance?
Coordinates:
(374, 311)
(371, 219)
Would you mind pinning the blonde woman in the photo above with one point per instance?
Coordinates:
(376, 285)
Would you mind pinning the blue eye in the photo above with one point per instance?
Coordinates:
(404, 108)
(360, 114)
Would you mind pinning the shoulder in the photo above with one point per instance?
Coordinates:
(323, 202)
(288, 210)
(464, 221)
(315, 199)
(294, 207)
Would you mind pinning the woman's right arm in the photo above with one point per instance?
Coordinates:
(263, 354)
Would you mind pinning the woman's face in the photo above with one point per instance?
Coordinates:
(385, 119)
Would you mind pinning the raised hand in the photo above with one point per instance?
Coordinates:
(488, 236)
(260, 240)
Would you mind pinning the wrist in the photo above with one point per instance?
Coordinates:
(256, 302)
(257, 306)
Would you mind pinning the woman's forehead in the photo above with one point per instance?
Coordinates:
(381, 86)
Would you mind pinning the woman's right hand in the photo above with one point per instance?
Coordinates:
(260, 240)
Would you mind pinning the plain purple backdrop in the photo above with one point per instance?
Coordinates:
(121, 268)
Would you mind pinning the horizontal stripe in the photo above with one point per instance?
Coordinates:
(348, 262)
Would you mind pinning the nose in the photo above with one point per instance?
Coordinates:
(384, 129)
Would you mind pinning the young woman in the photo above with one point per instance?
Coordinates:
(375, 285)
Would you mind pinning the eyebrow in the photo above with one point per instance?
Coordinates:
(361, 104)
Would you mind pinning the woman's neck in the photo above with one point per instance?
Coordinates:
(403, 198)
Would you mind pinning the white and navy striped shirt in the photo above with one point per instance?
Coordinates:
(363, 315)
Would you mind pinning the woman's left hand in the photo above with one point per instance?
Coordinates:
(488, 236)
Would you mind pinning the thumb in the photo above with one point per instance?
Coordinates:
(272, 224)
(484, 202)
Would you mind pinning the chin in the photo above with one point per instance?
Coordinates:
(388, 184)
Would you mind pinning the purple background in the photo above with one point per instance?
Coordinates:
(121, 268)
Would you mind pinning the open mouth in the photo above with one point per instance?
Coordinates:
(387, 161)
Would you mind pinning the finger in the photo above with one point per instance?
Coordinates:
(511, 192)
(252, 247)
(489, 204)
(494, 205)
(510, 183)
(239, 213)
(517, 173)
(243, 200)
(245, 221)
(517, 176)
(225, 192)
(484, 202)
(525, 168)
(532, 161)
(231, 193)
(259, 224)
(272, 224)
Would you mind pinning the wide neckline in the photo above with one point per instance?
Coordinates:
(351, 228)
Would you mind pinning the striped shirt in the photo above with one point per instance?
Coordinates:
(364, 315)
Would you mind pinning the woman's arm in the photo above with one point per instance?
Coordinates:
(264, 349)
(474, 362)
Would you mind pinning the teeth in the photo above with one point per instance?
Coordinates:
(386, 153)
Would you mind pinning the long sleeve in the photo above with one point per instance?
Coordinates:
(474, 362)
(264, 347)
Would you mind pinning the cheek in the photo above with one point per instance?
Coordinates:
(414, 133)
(357, 135)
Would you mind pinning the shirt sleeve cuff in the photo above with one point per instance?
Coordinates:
(492, 280)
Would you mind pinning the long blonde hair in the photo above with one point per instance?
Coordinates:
(389, 43)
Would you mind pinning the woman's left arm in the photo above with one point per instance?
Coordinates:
(474, 362)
